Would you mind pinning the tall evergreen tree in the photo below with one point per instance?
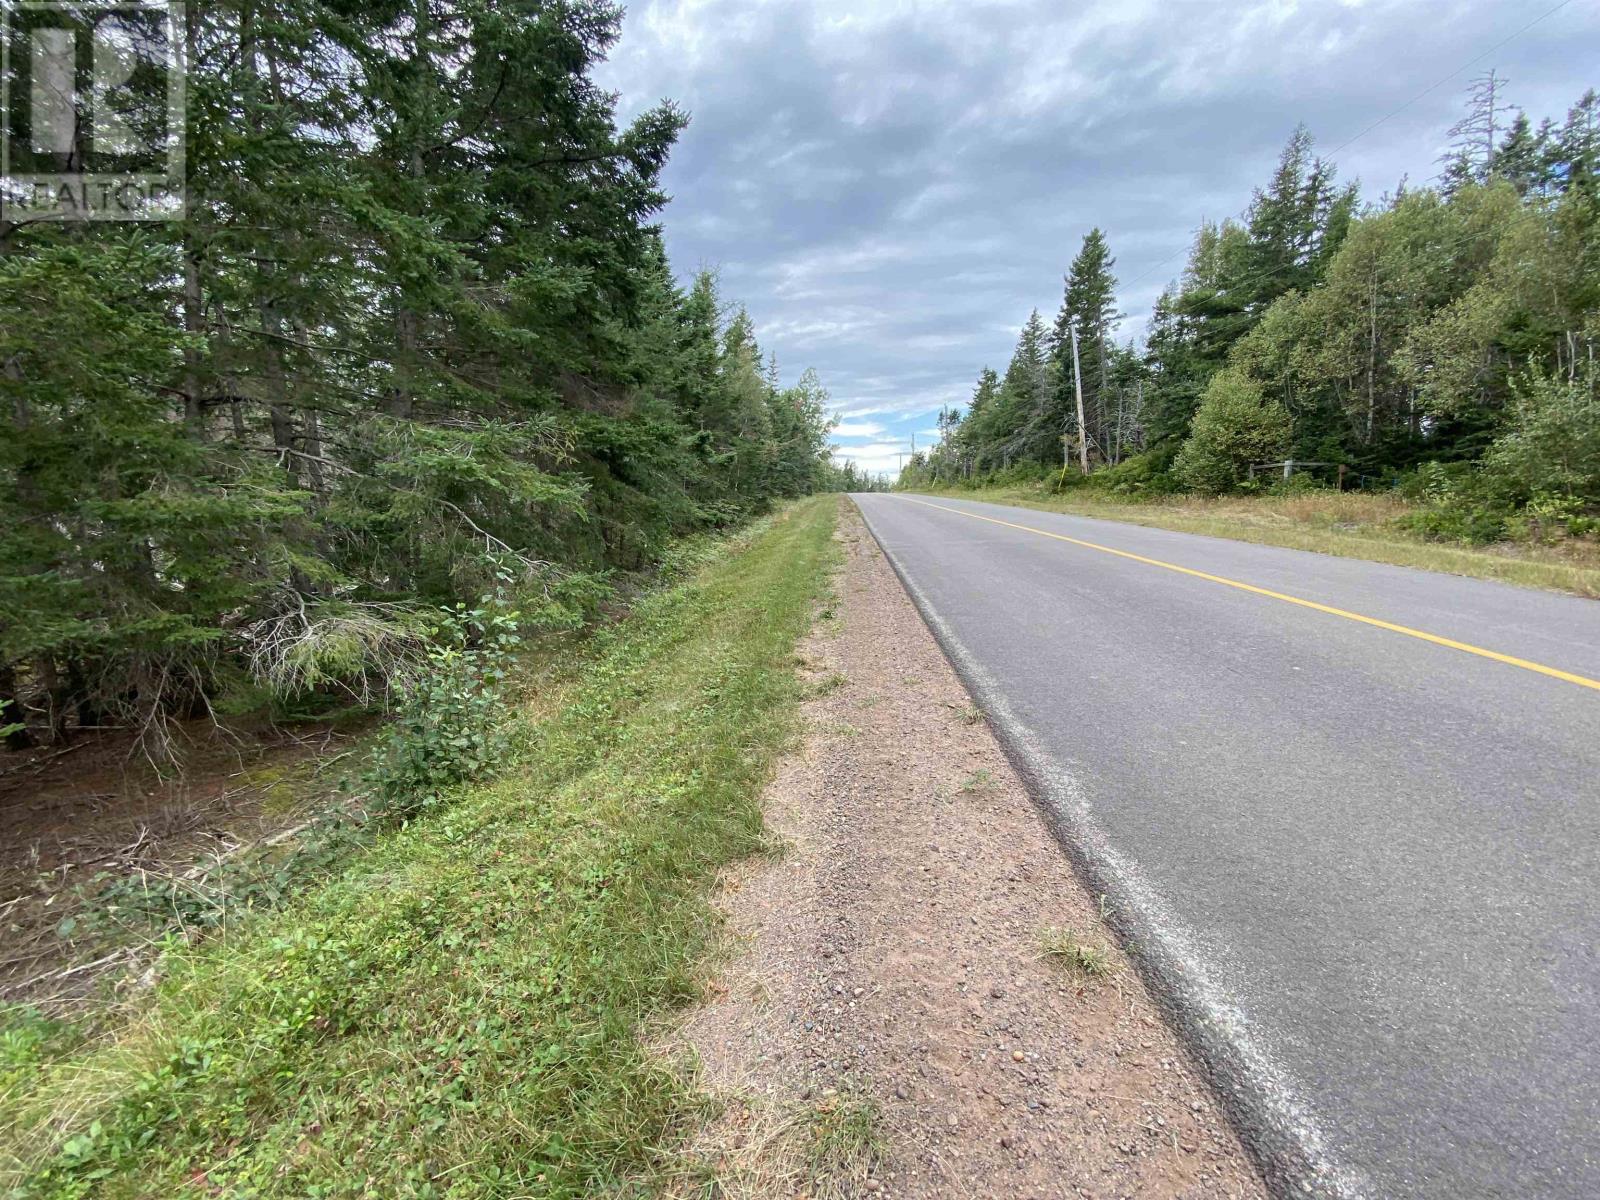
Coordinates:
(1023, 410)
(1090, 305)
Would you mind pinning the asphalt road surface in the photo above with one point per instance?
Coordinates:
(1361, 865)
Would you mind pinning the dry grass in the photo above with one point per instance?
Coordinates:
(755, 1148)
(1349, 524)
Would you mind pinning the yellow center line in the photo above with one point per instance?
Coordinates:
(1464, 647)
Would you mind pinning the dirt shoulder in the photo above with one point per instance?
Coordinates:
(888, 1023)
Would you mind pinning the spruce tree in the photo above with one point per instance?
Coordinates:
(1090, 304)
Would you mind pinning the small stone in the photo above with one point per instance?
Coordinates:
(997, 992)
(1017, 1056)
(951, 1120)
(1005, 1142)
(900, 1092)
(873, 1185)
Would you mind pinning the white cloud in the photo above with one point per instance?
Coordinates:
(875, 449)
(859, 429)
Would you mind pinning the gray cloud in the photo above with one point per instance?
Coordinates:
(890, 188)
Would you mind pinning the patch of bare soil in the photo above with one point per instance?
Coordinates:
(888, 1024)
(92, 809)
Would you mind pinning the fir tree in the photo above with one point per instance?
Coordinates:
(1090, 304)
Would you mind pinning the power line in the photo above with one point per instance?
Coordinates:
(1436, 86)
(1549, 12)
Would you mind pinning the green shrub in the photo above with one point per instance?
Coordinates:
(1147, 474)
(1460, 504)
(1549, 455)
(1474, 524)
(1234, 427)
(448, 727)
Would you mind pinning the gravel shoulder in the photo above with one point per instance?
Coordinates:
(886, 1021)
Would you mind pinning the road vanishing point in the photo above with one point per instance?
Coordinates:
(1347, 815)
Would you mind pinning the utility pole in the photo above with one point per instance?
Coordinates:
(1077, 384)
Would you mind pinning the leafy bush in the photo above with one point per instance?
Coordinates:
(1459, 504)
(1549, 456)
(448, 726)
(1147, 474)
(1235, 426)
(1470, 523)
(1436, 482)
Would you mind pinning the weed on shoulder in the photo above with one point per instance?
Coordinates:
(831, 682)
(843, 1141)
(1063, 946)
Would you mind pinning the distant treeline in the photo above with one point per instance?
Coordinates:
(1442, 337)
(417, 326)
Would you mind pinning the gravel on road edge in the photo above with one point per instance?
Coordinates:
(886, 1022)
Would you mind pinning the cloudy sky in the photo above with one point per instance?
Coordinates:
(890, 187)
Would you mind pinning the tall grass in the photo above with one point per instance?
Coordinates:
(459, 1013)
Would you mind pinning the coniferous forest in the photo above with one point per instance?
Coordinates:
(417, 329)
(1439, 341)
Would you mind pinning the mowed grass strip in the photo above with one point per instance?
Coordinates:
(1346, 524)
(459, 1013)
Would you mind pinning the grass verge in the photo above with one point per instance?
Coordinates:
(1347, 524)
(457, 1014)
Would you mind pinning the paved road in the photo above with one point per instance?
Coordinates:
(1363, 867)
